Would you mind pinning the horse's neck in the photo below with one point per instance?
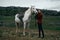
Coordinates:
(28, 13)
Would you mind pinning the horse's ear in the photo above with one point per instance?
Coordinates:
(32, 6)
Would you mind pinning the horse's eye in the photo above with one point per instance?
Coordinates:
(33, 8)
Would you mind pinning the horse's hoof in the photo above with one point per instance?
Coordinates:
(23, 34)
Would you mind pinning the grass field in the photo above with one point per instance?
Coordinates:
(51, 26)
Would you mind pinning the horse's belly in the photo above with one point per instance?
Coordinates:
(17, 20)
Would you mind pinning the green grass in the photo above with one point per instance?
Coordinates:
(49, 22)
(51, 25)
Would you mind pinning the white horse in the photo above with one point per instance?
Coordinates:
(26, 18)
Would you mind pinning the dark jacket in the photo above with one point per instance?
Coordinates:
(39, 17)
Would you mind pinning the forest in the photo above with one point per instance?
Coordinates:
(11, 10)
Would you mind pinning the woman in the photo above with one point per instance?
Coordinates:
(39, 17)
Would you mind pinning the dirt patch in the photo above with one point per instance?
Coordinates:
(10, 34)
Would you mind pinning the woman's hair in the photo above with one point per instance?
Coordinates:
(39, 11)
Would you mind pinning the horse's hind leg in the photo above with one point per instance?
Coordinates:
(19, 25)
(16, 27)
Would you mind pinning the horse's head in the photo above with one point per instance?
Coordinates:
(33, 9)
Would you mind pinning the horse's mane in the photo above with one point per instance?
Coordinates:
(27, 10)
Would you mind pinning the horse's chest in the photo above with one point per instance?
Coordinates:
(26, 18)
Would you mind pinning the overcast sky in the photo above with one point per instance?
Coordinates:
(42, 4)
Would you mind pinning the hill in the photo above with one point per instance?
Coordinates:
(11, 10)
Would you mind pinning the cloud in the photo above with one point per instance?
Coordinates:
(54, 0)
(42, 4)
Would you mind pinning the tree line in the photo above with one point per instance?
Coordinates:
(10, 11)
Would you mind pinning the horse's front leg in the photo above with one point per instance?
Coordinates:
(24, 28)
(28, 27)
